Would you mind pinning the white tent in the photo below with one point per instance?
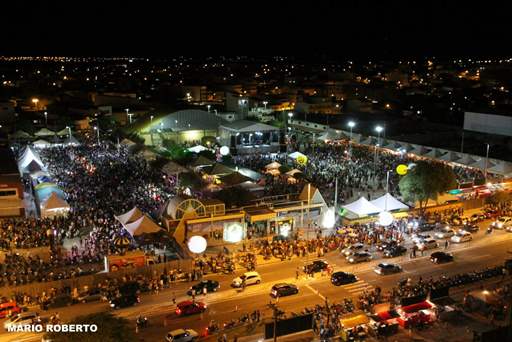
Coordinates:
(418, 150)
(63, 132)
(143, 225)
(44, 132)
(197, 149)
(466, 159)
(388, 203)
(54, 206)
(450, 156)
(29, 156)
(293, 172)
(434, 153)
(480, 164)
(331, 134)
(71, 141)
(296, 155)
(502, 168)
(41, 143)
(273, 165)
(362, 207)
(130, 216)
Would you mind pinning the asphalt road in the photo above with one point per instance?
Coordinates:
(227, 303)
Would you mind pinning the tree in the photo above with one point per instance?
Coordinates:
(110, 329)
(499, 197)
(426, 181)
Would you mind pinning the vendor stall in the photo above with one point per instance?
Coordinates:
(354, 327)
(420, 313)
(385, 323)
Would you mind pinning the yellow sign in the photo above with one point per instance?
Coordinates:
(401, 169)
(302, 160)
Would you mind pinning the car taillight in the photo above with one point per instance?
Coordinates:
(178, 312)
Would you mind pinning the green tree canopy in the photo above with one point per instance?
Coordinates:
(110, 329)
(426, 181)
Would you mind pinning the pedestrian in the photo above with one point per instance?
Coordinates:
(446, 244)
(297, 274)
(205, 290)
(174, 298)
(193, 296)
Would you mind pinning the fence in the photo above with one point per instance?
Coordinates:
(91, 280)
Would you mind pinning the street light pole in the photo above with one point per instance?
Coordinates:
(351, 124)
(69, 129)
(97, 129)
(379, 129)
(128, 115)
(486, 162)
(46, 118)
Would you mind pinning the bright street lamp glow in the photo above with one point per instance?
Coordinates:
(351, 124)
(290, 114)
(197, 244)
(379, 129)
(385, 218)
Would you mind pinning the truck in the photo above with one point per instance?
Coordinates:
(129, 260)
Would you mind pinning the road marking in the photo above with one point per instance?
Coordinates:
(315, 291)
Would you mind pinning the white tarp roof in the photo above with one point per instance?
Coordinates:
(466, 159)
(197, 148)
(273, 165)
(388, 202)
(434, 153)
(480, 164)
(450, 156)
(362, 207)
(418, 150)
(502, 168)
(293, 172)
(331, 134)
(71, 141)
(63, 132)
(130, 216)
(296, 155)
(143, 225)
(41, 143)
(27, 157)
(54, 202)
(44, 132)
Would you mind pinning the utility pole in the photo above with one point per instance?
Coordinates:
(462, 143)
(336, 195)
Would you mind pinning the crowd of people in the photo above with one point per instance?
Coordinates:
(360, 170)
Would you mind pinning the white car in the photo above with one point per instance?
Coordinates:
(445, 233)
(502, 222)
(22, 318)
(417, 237)
(181, 335)
(350, 250)
(427, 244)
(462, 236)
(251, 278)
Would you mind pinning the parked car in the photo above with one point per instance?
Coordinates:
(444, 233)
(124, 301)
(352, 249)
(462, 236)
(316, 266)
(283, 289)
(57, 302)
(475, 218)
(394, 251)
(385, 268)
(181, 335)
(210, 285)
(9, 308)
(359, 257)
(343, 278)
(426, 226)
(427, 244)
(441, 257)
(20, 319)
(502, 222)
(251, 278)
(189, 307)
(387, 245)
(90, 296)
(471, 227)
(416, 238)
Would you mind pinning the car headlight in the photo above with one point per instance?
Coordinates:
(351, 259)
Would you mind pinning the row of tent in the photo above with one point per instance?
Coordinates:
(495, 166)
(43, 132)
(362, 207)
(137, 223)
(50, 196)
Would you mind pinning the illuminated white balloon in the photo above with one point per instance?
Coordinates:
(329, 218)
(224, 150)
(385, 218)
(197, 244)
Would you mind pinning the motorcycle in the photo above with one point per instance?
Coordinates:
(142, 322)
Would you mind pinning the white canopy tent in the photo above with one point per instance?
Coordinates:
(29, 156)
(54, 206)
(44, 132)
(273, 165)
(293, 172)
(71, 141)
(450, 156)
(143, 225)
(331, 134)
(197, 149)
(466, 159)
(481, 164)
(296, 155)
(362, 207)
(434, 153)
(41, 143)
(388, 203)
(130, 216)
(502, 168)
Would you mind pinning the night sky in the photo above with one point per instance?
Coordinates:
(264, 27)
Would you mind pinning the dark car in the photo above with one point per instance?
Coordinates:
(57, 302)
(441, 257)
(475, 218)
(316, 266)
(472, 228)
(427, 226)
(342, 278)
(384, 269)
(90, 296)
(386, 245)
(124, 301)
(282, 290)
(394, 251)
(189, 307)
(210, 285)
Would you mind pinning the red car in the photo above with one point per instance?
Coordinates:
(9, 308)
(189, 308)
